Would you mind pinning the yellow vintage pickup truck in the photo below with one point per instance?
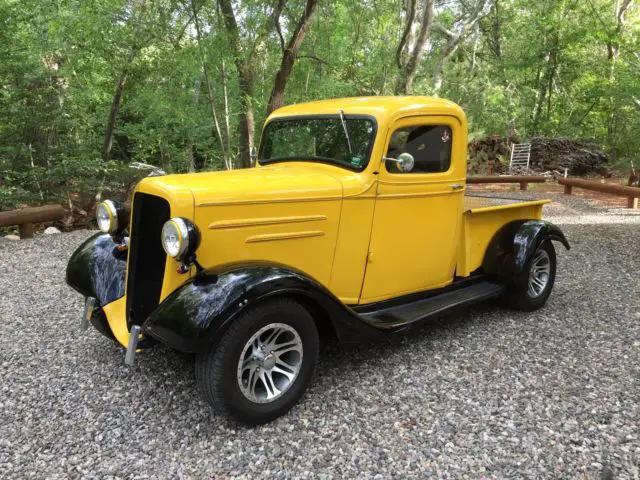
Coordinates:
(353, 224)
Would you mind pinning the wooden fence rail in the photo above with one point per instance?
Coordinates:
(523, 180)
(632, 193)
(26, 217)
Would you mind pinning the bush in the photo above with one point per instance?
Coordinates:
(61, 180)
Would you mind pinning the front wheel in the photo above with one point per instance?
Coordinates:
(538, 278)
(263, 363)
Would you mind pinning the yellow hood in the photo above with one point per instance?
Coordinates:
(270, 184)
(286, 213)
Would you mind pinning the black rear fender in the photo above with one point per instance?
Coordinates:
(512, 246)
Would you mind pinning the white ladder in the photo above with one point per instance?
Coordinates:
(520, 155)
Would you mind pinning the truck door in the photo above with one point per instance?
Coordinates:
(417, 215)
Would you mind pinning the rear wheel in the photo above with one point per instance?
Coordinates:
(262, 364)
(539, 276)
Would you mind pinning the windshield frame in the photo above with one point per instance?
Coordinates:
(326, 160)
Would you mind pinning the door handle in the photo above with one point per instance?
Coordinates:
(456, 186)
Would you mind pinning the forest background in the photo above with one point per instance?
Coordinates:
(90, 87)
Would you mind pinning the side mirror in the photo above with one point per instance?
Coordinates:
(405, 161)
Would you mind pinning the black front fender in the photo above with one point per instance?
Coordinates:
(512, 246)
(194, 315)
(96, 270)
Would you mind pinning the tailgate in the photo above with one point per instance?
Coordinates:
(483, 216)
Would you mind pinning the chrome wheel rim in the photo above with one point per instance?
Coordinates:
(539, 273)
(270, 363)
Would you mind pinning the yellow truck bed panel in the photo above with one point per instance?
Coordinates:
(483, 216)
(482, 203)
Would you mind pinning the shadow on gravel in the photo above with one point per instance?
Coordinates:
(339, 360)
(164, 375)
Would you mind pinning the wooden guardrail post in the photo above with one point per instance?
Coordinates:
(632, 193)
(26, 217)
(25, 230)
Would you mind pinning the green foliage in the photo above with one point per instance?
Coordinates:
(532, 68)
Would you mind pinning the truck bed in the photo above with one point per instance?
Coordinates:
(483, 216)
(474, 203)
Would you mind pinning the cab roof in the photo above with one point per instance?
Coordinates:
(382, 108)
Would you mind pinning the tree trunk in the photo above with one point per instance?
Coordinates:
(136, 11)
(492, 31)
(455, 39)
(495, 42)
(245, 82)
(247, 127)
(449, 48)
(404, 85)
(189, 145)
(406, 33)
(289, 56)
(223, 73)
(613, 50)
(111, 122)
(214, 115)
(476, 41)
(620, 12)
(553, 67)
(540, 96)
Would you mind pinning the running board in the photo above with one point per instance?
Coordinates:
(393, 318)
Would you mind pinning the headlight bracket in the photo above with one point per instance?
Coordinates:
(185, 265)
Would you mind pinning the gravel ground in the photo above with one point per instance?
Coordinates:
(488, 393)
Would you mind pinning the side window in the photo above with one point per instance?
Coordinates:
(430, 146)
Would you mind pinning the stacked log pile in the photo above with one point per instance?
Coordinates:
(490, 156)
(581, 157)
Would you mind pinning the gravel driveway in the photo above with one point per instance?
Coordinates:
(489, 393)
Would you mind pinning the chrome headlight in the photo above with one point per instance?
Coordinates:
(107, 216)
(179, 238)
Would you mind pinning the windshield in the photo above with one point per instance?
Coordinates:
(319, 139)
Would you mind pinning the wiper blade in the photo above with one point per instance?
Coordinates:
(346, 131)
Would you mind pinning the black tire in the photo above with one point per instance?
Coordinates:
(519, 296)
(217, 371)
